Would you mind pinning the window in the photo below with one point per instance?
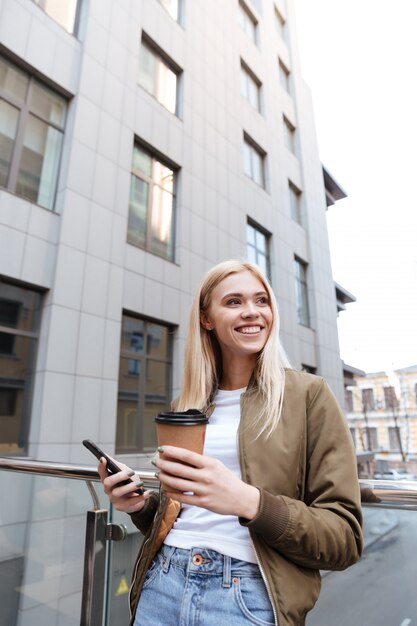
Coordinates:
(371, 436)
(63, 12)
(308, 368)
(257, 247)
(368, 400)
(301, 292)
(247, 22)
(280, 25)
(152, 204)
(32, 119)
(253, 161)
(250, 87)
(390, 398)
(174, 8)
(158, 75)
(284, 76)
(19, 329)
(289, 135)
(394, 439)
(295, 202)
(349, 400)
(144, 382)
(353, 434)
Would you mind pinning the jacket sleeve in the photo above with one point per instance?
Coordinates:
(143, 519)
(324, 530)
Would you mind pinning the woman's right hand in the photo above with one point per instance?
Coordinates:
(122, 497)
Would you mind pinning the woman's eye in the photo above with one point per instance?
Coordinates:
(233, 301)
(263, 300)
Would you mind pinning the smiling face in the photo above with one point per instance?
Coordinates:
(240, 315)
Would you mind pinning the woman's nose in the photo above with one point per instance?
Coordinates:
(250, 310)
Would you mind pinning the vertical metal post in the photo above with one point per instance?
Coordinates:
(94, 582)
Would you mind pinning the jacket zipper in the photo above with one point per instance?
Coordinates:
(261, 569)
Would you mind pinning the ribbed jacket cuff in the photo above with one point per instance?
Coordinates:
(143, 519)
(272, 518)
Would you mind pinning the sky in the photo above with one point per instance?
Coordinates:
(359, 58)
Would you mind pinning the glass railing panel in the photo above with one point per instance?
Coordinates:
(122, 557)
(42, 540)
(379, 590)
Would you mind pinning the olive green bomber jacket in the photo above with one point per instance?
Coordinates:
(309, 516)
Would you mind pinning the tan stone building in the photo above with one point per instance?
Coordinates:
(382, 413)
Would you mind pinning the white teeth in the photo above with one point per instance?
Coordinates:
(249, 330)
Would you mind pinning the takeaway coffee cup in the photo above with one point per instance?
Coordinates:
(186, 429)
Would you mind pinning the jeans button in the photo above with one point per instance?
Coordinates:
(197, 559)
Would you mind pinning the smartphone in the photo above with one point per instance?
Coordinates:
(112, 467)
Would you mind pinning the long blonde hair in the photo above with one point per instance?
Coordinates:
(202, 364)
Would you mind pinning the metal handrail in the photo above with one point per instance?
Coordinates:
(385, 494)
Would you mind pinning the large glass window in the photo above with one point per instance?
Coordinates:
(247, 22)
(32, 120)
(144, 382)
(250, 87)
(253, 162)
(62, 11)
(19, 329)
(152, 204)
(158, 76)
(394, 439)
(257, 247)
(301, 292)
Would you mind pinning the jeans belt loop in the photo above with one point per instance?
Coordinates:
(227, 571)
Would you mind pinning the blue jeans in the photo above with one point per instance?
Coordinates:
(200, 587)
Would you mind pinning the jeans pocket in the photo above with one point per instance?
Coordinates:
(152, 571)
(253, 600)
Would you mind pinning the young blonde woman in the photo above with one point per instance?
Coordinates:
(273, 499)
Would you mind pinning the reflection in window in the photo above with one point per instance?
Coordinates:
(64, 12)
(301, 292)
(19, 329)
(250, 87)
(247, 22)
(158, 76)
(32, 119)
(152, 204)
(144, 382)
(257, 248)
(253, 162)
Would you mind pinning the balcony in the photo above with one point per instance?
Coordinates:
(66, 556)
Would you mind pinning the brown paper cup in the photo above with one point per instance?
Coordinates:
(189, 437)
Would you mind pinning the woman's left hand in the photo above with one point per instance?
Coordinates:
(212, 485)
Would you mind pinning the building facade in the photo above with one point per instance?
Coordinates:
(142, 143)
(382, 414)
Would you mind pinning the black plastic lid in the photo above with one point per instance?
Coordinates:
(192, 417)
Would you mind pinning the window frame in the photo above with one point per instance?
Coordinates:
(289, 135)
(301, 292)
(250, 77)
(155, 156)
(295, 205)
(42, 5)
(161, 57)
(284, 76)
(24, 113)
(144, 359)
(280, 24)
(254, 148)
(246, 17)
(258, 252)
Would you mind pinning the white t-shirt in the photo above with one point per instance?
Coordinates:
(197, 527)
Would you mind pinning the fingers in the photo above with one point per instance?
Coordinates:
(183, 456)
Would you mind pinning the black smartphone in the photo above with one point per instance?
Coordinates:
(112, 467)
